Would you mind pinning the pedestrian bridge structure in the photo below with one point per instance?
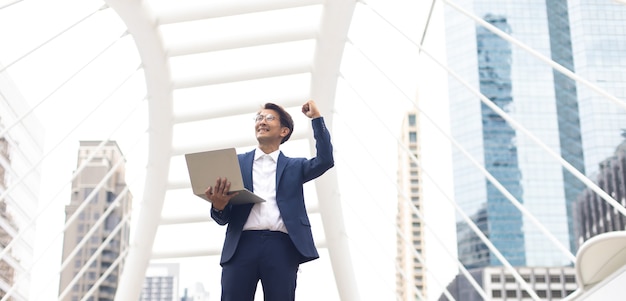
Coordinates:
(165, 78)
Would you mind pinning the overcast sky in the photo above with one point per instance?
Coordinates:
(361, 133)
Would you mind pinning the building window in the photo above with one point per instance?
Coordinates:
(540, 279)
(412, 119)
(511, 294)
(412, 136)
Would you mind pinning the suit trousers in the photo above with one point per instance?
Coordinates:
(268, 256)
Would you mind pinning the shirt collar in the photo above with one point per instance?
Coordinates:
(258, 153)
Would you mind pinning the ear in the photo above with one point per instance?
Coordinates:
(284, 131)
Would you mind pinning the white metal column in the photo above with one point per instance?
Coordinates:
(142, 26)
(336, 19)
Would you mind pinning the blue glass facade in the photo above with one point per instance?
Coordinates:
(566, 107)
(570, 119)
(500, 157)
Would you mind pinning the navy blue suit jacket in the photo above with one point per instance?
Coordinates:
(291, 174)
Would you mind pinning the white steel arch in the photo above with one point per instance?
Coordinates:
(143, 25)
(333, 33)
(303, 51)
(158, 81)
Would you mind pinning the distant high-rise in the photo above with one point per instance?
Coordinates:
(578, 124)
(553, 283)
(161, 282)
(410, 274)
(21, 147)
(594, 215)
(196, 293)
(7, 271)
(97, 237)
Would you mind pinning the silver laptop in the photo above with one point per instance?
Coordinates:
(205, 167)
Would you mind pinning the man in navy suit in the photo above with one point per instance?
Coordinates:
(268, 241)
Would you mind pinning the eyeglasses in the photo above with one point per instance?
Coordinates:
(269, 118)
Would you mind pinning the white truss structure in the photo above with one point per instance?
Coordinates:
(155, 52)
(205, 66)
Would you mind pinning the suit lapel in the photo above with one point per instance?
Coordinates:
(245, 165)
(280, 167)
(246, 170)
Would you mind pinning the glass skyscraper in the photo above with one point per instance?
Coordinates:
(582, 126)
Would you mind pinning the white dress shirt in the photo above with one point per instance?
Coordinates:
(265, 215)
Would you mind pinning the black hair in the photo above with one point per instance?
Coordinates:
(285, 118)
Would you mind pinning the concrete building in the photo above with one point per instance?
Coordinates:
(21, 146)
(196, 293)
(410, 275)
(549, 283)
(96, 239)
(161, 282)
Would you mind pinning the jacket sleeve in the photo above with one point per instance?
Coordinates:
(221, 217)
(323, 159)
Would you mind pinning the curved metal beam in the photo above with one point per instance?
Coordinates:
(336, 19)
(215, 9)
(142, 26)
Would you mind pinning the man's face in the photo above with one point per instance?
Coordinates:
(268, 128)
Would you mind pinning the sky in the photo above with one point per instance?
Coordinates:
(366, 121)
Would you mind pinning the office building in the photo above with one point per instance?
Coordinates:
(410, 274)
(196, 293)
(161, 282)
(498, 284)
(21, 148)
(594, 215)
(576, 123)
(97, 236)
(571, 119)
